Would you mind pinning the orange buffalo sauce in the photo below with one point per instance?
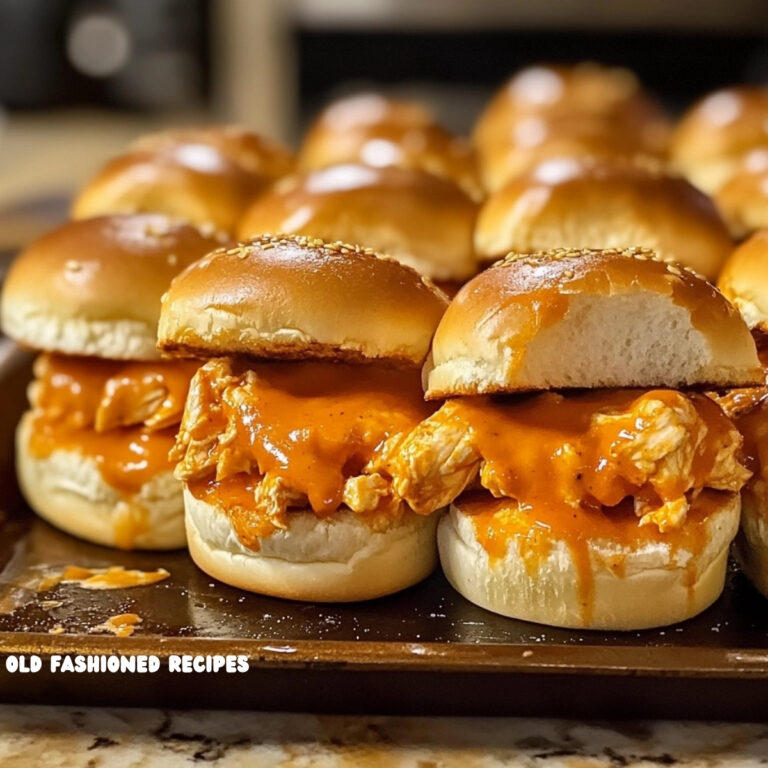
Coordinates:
(571, 480)
(235, 495)
(545, 448)
(738, 402)
(116, 413)
(308, 426)
(754, 429)
(749, 410)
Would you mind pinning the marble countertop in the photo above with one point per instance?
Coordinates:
(60, 737)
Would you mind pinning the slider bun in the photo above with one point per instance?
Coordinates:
(93, 287)
(744, 280)
(531, 139)
(573, 203)
(569, 91)
(653, 590)
(715, 133)
(250, 151)
(68, 491)
(752, 541)
(297, 298)
(428, 148)
(418, 219)
(743, 199)
(590, 318)
(364, 109)
(336, 559)
(193, 182)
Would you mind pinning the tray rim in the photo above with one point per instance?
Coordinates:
(649, 661)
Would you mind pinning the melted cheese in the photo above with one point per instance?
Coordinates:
(121, 415)
(289, 435)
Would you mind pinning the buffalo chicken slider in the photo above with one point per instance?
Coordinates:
(207, 177)
(586, 203)
(546, 109)
(92, 451)
(291, 444)
(587, 490)
(744, 281)
(743, 199)
(429, 148)
(717, 132)
(419, 219)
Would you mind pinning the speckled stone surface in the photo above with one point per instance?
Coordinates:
(58, 737)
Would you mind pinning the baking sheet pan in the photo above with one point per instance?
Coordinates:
(426, 650)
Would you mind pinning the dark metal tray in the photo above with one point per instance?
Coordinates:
(426, 650)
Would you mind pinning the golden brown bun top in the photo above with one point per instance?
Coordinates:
(197, 183)
(588, 318)
(565, 202)
(743, 199)
(419, 219)
(299, 298)
(744, 280)
(567, 91)
(104, 271)
(250, 151)
(725, 123)
(531, 139)
(364, 109)
(427, 147)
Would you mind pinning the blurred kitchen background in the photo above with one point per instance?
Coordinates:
(81, 78)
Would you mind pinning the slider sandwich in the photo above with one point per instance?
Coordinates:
(428, 147)
(743, 199)
(290, 446)
(206, 177)
(744, 281)
(587, 489)
(367, 109)
(587, 203)
(92, 451)
(717, 132)
(418, 219)
(584, 109)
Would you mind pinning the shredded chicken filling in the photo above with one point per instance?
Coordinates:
(660, 448)
(299, 435)
(104, 395)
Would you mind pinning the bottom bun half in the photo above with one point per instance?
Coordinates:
(337, 559)
(654, 588)
(752, 541)
(67, 490)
